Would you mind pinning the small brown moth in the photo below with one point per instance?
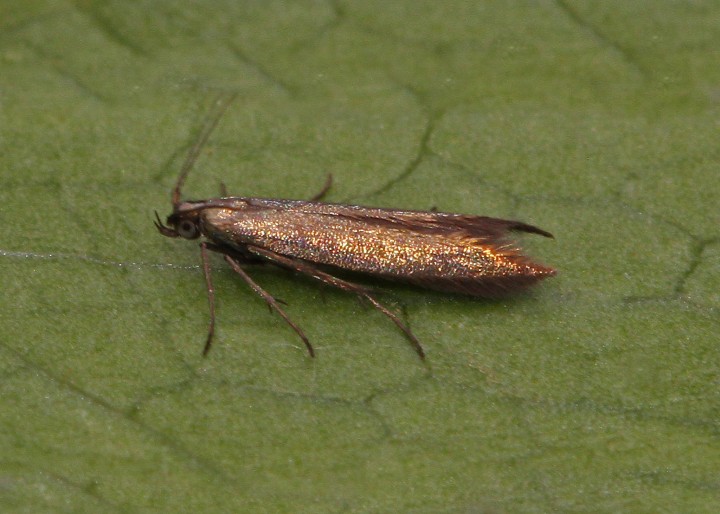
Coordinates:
(454, 253)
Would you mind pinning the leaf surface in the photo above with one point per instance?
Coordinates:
(595, 392)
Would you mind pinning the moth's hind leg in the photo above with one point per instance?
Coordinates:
(308, 269)
(315, 198)
(272, 302)
(326, 187)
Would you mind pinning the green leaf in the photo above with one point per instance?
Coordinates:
(597, 391)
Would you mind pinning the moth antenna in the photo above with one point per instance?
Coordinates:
(221, 103)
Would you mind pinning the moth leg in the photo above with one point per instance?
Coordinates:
(211, 297)
(223, 189)
(308, 269)
(240, 258)
(320, 195)
(272, 302)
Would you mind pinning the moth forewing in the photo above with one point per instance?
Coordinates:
(447, 252)
(441, 251)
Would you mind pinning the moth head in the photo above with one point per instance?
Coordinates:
(183, 222)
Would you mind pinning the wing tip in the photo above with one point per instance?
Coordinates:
(518, 226)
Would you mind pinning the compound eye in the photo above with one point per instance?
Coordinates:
(188, 229)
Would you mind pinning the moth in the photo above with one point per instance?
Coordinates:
(453, 253)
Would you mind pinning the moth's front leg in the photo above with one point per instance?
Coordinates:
(241, 257)
(237, 258)
(204, 247)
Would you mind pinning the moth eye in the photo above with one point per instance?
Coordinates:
(188, 229)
